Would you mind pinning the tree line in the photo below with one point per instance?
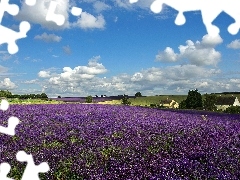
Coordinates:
(8, 94)
(194, 101)
(125, 99)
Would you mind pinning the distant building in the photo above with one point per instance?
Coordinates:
(169, 103)
(223, 103)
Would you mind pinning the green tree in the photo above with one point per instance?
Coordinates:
(5, 93)
(233, 110)
(125, 100)
(138, 94)
(89, 99)
(209, 102)
(183, 105)
(194, 100)
(43, 96)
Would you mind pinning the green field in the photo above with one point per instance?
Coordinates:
(32, 101)
(142, 101)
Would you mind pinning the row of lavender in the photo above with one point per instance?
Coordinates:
(83, 99)
(81, 141)
(80, 99)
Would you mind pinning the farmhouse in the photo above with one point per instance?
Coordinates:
(223, 103)
(169, 103)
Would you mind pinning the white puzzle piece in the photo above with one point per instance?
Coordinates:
(209, 9)
(10, 37)
(31, 171)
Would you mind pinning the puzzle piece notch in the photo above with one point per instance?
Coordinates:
(180, 19)
(30, 2)
(4, 105)
(11, 36)
(31, 171)
(4, 170)
(12, 123)
(12, 9)
(76, 11)
(133, 1)
(233, 28)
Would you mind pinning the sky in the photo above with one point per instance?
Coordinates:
(114, 47)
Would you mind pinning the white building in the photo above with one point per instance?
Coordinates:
(224, 102)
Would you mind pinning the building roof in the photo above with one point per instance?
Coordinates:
(167, 101)
(225, 100)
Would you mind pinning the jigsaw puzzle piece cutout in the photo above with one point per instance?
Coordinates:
(133, 1)
(12, 123)
(76, 11)
(231, 7)
(208, 16)
(234, 28)
(11, 36)
(31, 171)
(209, 10)
(208, 13)
(4, 105)
(157, 7)
(30, 2)
(12, 9)
(4, 170)
(59, 19)
(179, 5)
(180, 19)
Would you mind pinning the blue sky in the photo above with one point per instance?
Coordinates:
(115, 47)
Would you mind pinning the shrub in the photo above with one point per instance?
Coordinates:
(209, 102)
(138, 94)
(153, 105)
(183, 105)
(233, 110)
(125, 100)
(89, 99)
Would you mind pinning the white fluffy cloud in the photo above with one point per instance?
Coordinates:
(88, 21)
(173, 73)
(234, 44)
(210, 41)
(77, 74)
(167, 55)
(237, 81)
(199, 53)
(44, 74)
(7, 84)
(48, 37)
(85, 80)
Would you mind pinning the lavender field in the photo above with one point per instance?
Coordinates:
(92, 141)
